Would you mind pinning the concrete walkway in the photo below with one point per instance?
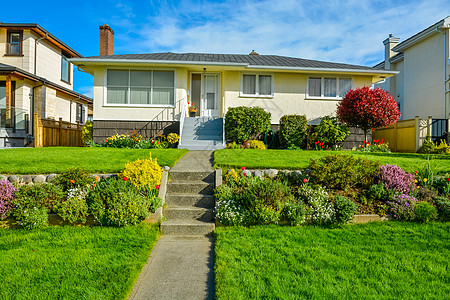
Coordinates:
(195, 161)
(180, 266)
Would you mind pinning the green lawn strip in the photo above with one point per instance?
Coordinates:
(389, 260)
(73, 262)
(93, 160)
(299, 159)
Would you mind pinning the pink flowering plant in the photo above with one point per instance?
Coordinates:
(402, 207)
(395, 178)
(7, 191)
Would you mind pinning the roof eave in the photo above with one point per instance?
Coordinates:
(25, 74)
(331, 70)
(86, 62)
(99, 61)
(433, 29)
(43, 32)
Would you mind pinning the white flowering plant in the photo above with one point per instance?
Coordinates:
(320, 210)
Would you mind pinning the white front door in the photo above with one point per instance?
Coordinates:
(210, 103)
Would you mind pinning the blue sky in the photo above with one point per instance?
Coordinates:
(349, 31)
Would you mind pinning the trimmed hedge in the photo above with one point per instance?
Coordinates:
(293, 131)
(244, 123)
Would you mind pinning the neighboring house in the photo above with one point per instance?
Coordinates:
(423, 85)
(148, 92)
(35, 77)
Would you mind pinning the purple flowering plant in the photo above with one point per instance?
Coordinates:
(394, 178)
(7, 190)
(402, 207)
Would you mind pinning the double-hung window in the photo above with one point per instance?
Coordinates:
(328, 87)
(256, 85)
(14, 42)
(140, 87)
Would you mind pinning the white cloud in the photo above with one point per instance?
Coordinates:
(343, 31)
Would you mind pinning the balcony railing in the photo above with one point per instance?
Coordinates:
(13, 118)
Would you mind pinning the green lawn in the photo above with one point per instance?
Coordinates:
(73, 262)
(93, 160)
(299, 159)
(389, 260)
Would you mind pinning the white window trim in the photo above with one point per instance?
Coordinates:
(257, 95)
(322, 85)
(105, 88)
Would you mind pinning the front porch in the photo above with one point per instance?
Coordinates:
(13, 126)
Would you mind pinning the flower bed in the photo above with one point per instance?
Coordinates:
(76, 197)
(331, 191)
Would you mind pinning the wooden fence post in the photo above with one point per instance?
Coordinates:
(417, 124)
(395, 137)
(36, 131)
(429, 126)
(78, 135)
(60, 132)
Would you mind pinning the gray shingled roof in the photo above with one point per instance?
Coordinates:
(252, 60)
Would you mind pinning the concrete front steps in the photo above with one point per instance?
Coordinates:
(202, 133)
(189, 203)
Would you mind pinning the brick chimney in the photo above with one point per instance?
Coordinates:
(253, 53)
(389, 43)
(106, 40)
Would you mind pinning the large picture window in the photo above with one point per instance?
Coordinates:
(256, 85)
(328, 87)
(135, 87)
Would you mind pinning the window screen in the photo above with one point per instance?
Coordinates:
(315, 87)
(329, 87)
(265, 85)
(344, 85)
(249, 84)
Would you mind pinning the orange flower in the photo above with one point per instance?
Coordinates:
(72, 181)
(125, 178)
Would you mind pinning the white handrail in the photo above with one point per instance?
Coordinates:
(183, 115)
(223, 122)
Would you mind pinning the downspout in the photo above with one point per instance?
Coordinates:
(36, 42)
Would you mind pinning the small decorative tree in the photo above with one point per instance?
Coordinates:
(368, 108)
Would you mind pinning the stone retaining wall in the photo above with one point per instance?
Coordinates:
(31, 179)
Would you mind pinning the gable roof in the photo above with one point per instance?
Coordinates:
(42, 32)
(4, 68)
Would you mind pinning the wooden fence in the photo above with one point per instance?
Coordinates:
(50, 133)
(405, 136)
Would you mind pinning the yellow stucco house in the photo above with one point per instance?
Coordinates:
(422, 86)
(150, 92)
(35, 77)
